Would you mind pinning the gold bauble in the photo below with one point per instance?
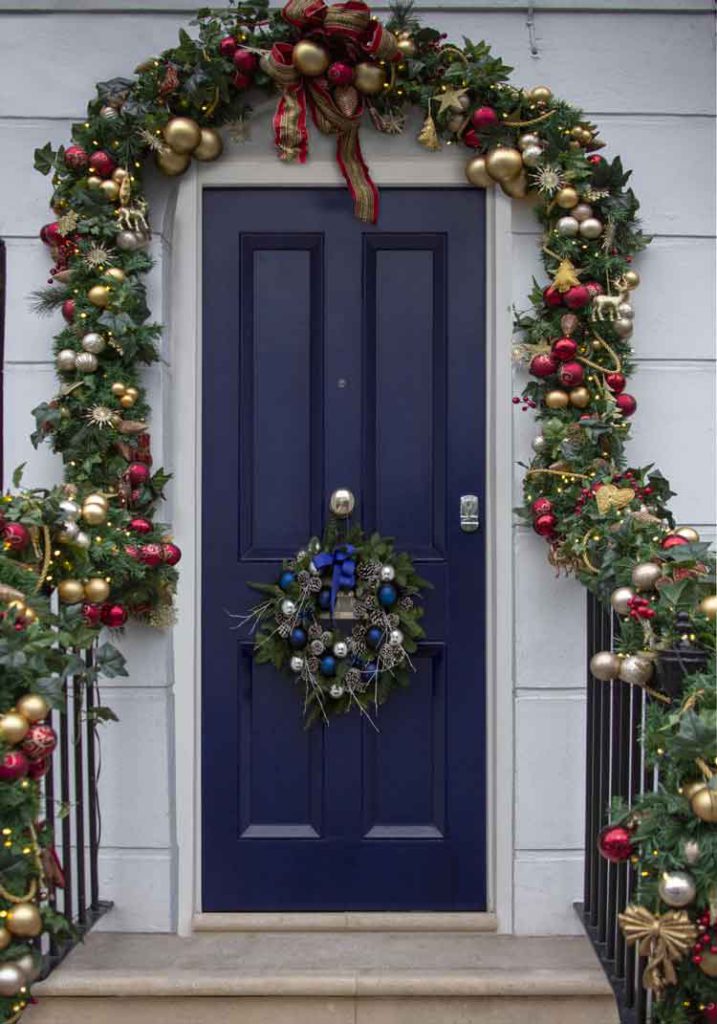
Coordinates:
(94, 182)
(605, 665)
(171, 163)
(117, 274)
(29, 615)
(369, 78)
(5, 938)
(645, 575)
(477, 174)
(704, 804)
(310, 58)
(567, 198)
(540, 94)
(110, 189)
(70, 591)
(133, 393)
(620, 600)
(708, 606)
(97, 590)
(211, 146)
(688, 789)
(182, 135)
(631, 278)
(33, 707)
(127, 401)
(24, 920)
(580, 398)
(636, 670)
(406, 45)
(96, 498)
(708, 964)
(557, 399)
(99, 295)
(516, 188)
(118, 389)
(688, 532)
(93, 514)
(503, 163)
(13, 728)
(119, 174)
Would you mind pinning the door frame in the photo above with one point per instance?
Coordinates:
(393, 162)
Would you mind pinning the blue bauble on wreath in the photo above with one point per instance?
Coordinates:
(298, 638)
(373, 636)
(324, 599)
(328, 665)
(286, 579)
(387, 595)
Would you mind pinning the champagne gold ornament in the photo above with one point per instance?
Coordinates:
(567, 198)
(94, 182)
(676, 888)
(170, 163)
(182, 135)
(605, 666)
(516, 188)
(567, 227)
(636, 670)
(70, 591)
(688, 789)
(99, 295)
(708, 606)
(126, 401)
(94, 514)
(369, 78)
(119, 174)
(532, 155)
(691, 851)
(86, 362)
(97, 590)
(13, 728)
(406, 45)
(96, 499)
(132, 393)
(210, 146)
(623, 328)
(688, 532)
(65, 360)
(631, 279)
(583, 211)
(645, 575)
(12, 979)
(620, 600)
(557, 399)
(30, 965)
(24, 920)
(704, 804)
(116, 274)
(94, 343)
(540, 94)
(310, 58)
(477, 174)
(33, 707)
(110, 189)
(503, 163)
(5, 938)
(118, 389)
(580, 398)
(591, 228)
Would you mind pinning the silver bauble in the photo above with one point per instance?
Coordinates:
(691, 851)
(301, 555)
(82, 540)
(532, 155)
(287, 607)
(12, 979)
(636, 670)
(296, 664)
(567, 227)
(70, 509)
(341, 649)
(388, 574)
(342, 503)
(94, 343)
(314, 546)
(645, 575)
(336, 690)
(591, 228)
(128, 241)
(65, 359)
(395, 637)
(30, 965)
(109, 113)
(538, 443)
(677, 888)
(529, 139)
(69, 532)
(619, 600)
(625, 311)
(455, 122)
(623, 328)
(582, 211)
(86, 362)
(605, 666)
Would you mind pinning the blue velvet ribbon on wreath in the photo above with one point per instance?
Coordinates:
(344, 569)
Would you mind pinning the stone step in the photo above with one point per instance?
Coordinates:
(341, 977)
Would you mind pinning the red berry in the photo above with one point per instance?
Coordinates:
(484, 117)
(545, 525)
(227, 46)
(101, 163)
(245, 62)
(151, 555)
(541, 506)
(114, 615)
(240, 80)
(172, 553)
(140, 525)
(340, 73)
(543, 365)
(595, 159)
(68, 310)
(616, 382)
(137, 473)
(91, 614)
(571, 374)
(673, 541)
(552, 297)
(471, 138)
(76, 158)
(577, 297)
(626, 404)
(16, 536)
(564, 348)
(13, 766)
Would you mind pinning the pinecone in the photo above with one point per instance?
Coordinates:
(313, 665)
(393, 621)
(370, 572)
(352, 679)
(284, 629)
(406, 603)
(304, 578)
(315, 631)
(315, 584)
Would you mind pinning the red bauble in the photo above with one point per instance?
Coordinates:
(541, 507)
(13, 766)
(172, 553)
(91, 613)
(614, 843)
(340, 73)
(16, 536)
(137, 473)
(564, 348)
(40, 740)
(76, 158)
(38, 769)
(245, 62)
(114, 615)
(594, 288)
(626, 404)
(50, 233)
(595, 159)
(68, 310)
(101, 163)
(543, 365)
(616, 382)
(471, 138)
(484, 117)
(140, 525)
(577, 297)
(227, 46)
(545, 525)
(151, 555)
(240, 80)
(673, 541)
(552, 297)
(709, 1014)
(571, 374)
(131, 551)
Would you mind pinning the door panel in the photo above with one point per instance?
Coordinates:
(337, 354)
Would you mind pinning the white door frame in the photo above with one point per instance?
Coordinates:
(396, 161)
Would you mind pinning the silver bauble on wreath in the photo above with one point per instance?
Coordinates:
(128, 241)
(30, 965)
(94, 343)
(388, 574)
(12, 979)
(395, 637)
(591, 228)
(82, 540)
(527, 140)
(314, 546)
(69, 532)
(645, 575)
(70, 509)
(582, 211)
(336, 690)
(532, 155)
(619, 600)
(65, 359)
(301, 555)
(86, 362)
(342, 503)
(340, 649)
(677, 888)
(538, 444)
(567, 227)
(625, 311)
(636, 669)
(623, 328)
(605, 666)
(296, 664)
(288, 607)
(691, 851)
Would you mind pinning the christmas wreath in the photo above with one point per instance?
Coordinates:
(343, 619)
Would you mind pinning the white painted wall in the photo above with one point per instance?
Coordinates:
(645, 73)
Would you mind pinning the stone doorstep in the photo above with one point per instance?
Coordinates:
(351, 920)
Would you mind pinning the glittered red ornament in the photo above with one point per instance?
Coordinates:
(172, 553)
(137, 473)
(564, 348)
(91, 613)
(101, 163)
(484, 117)
(616, 382)
(471, 138)
(15, 536)
(577, 297)
(552, 297)
(545, 525)
(227, 46)
(132, 551)
(151, 555)
(543, 365)
(340, 73)
(240, 80)
(626, 404)
(38, 769)
(140, 525)
(13, 766)
(709, 1014)
(68, 310)
(114, 615)
(50, 233)
(76, 158)
(40, 740)
(673, 541)
(571, 374)
(614, 843)
(594, 288)
(541, 506)
(245, 62)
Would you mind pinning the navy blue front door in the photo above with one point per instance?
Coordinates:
(342, 355)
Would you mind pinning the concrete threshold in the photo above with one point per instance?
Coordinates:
(349, 921)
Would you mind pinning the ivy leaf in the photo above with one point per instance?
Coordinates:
(17, 475)
(44, 159)
(695, 737)
(102, 714)
(110, 661)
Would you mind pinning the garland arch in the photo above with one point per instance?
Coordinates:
(96, 544)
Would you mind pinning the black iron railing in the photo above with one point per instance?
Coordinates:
(72, 811)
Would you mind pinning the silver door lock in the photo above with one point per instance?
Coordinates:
(470, 518)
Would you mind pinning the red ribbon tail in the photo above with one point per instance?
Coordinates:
(356, 173)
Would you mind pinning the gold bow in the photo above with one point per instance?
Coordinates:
(609, 496)
(664, 939)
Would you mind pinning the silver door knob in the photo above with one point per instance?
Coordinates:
(342, 502)
(470, 517)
